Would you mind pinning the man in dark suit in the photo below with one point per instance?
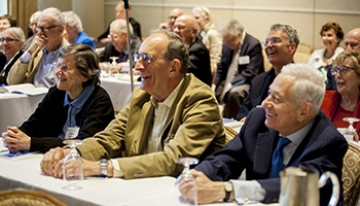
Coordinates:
(280, 46)
(118, 45)
(186, 27)
(120, 14)
(291, 113)
(241, 60)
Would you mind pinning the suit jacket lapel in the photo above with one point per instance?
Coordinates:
(262, 158)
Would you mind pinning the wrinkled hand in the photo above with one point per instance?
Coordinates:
(16, 140)
(243, 119)
(37, 43)
(207, 190)
(52, 162)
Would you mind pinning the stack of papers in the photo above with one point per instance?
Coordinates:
(26, 88)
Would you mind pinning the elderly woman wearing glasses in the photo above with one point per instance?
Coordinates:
(11, 40)
(76, 108)
(345, 101)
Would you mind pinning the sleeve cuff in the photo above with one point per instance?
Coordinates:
(248, 192)
(117, 170)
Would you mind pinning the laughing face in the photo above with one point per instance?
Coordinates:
(281, 113)
(278, 49)
(349, 82)
(10, 45)
(330, 40)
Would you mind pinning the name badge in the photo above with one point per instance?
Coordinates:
(71, 132)
(244, 60)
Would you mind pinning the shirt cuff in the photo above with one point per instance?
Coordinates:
(248, 192)
(25, 58)
(117, 170)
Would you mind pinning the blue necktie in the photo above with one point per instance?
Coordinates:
(277, 161)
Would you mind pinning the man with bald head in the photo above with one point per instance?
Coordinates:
(352, 39)
(173, 15)
(167, 118)
(187, 28)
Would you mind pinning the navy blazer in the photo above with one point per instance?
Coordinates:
(245, 72)
(323, 148)
(200, 61)
(257, 93)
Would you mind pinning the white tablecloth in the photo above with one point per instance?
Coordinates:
(24, 172)
(119, 89)
(16, 108)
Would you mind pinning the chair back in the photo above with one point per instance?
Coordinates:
(28, 198)
(304, 48)
(301, 57)
(351, 175)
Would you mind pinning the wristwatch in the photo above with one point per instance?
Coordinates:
(228, 189)
(103, 163)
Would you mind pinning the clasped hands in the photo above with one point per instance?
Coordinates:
(207, 191)
(16, 140)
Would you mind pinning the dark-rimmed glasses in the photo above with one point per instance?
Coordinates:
(8, 40)
(272, 41)
(113, 36)
(342, 70)
(45, 29)
(145, 57)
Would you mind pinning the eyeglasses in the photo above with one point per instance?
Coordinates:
(45, 29)
(63, 67)
(8, 40)
(342, 70)
(113, 36)
(179, 27)
(351, 44)
(145, 57)
(32, 25)
(272, 41)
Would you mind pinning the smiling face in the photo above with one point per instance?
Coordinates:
(349, 82)
(156, 76)
(330, 40)
(119, 40)
(69, 78)
(11, 45)
(279, 51)
(281, 113)
(184, 27)
(54, 34)
(4, 24)
(352, 40)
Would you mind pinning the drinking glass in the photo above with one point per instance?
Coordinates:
(73, 166)
(113, 66)
(351, 133)
(189, 178)
(105, 69)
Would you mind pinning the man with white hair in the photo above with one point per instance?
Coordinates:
(38, 64)
(290, 130)
(75, 31)
(187, 28)
(352, 39)
(118, 45)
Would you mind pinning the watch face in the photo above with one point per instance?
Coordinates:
(228, 186)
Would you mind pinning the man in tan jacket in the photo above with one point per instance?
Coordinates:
(173, 114)
(38, 64)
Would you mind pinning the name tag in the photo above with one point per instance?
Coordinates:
(71, 132)
(244, 60)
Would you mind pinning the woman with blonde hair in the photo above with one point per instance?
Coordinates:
(210, 36)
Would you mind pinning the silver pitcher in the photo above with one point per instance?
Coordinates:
(300, 187)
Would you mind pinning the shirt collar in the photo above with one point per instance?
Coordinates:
(299, 135)
(79, 102)
(170, 99)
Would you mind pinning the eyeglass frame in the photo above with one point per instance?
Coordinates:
(342, 70)
(9, 40)
(64, 67)
(180, 27)
(273, 41)
(144, 56)
(43, 29)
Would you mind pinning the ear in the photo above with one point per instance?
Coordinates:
(304, 111)
(175, 67)
(292, 47)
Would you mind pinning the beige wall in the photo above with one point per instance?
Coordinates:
(306, 16)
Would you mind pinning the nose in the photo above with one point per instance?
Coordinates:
(266, 103)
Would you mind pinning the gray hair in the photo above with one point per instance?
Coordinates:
(206, 14)
(55, 14)
(35, 16)
(86, 61)
(232, 27)
(309, 85)
(120, 26)
(73, 20)
(176, 49)
(17, 32)
(292, 33)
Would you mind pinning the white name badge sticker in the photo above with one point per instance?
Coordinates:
(71, 132)
(244, 60)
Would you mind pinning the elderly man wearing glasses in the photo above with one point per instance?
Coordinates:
(36, 65)
(118, 45)
(172, 115)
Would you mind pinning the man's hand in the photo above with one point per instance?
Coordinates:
(52, 162)
(207, 190)
(16, 140)
(37, 43)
